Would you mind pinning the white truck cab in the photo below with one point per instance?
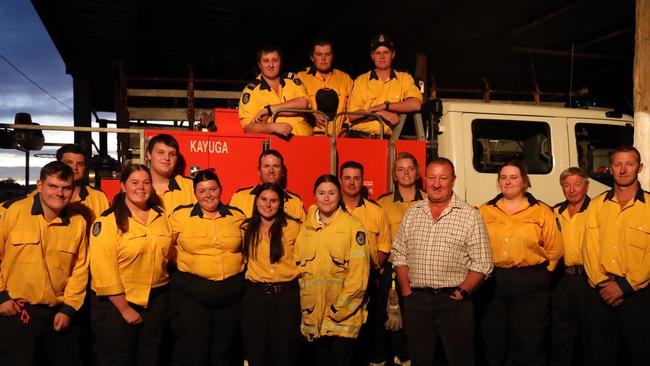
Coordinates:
(478, 137)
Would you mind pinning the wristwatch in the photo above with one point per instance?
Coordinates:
(387, 104)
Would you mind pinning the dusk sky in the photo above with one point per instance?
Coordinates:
(27, 45)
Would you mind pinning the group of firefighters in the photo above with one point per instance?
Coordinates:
(382, 93)
(168, 273)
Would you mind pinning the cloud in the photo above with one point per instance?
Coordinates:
(27, 45)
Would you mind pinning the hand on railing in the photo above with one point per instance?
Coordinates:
(377, 116)
(320, 116)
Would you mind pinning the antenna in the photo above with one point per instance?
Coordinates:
(571, 76)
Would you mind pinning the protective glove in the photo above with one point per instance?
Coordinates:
(394, 321)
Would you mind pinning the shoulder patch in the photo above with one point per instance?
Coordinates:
(107, 212)
(97, 228)
(297, 81)
(246, 98)
(253, 84)
(361, 237)
(245, 188)
(179, 207)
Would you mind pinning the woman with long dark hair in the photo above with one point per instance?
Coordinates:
(334, 262)
(271, 305)
(129, 249)
(206, 291)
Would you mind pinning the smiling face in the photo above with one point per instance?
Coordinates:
(163, 159)
(625, 168)
(575, 188)
(138, 188)
(55, 193)
(511, 182)
(351, 182)
(270, 64)
(268, 204)
(208, 195)
(439, 183)
(405, 173)
(270, 169)
(327, 198)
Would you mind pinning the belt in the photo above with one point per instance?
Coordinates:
(272, 288)
(435, 291)
(575, 270)
(366, 135)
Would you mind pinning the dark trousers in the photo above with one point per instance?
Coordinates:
(122, 344)
(515, 302)
(271, 324)
(374, 340)
(37, 343)
(621, 335)
(334, 351)
(205, 317)
(567, 319)
(431, 316)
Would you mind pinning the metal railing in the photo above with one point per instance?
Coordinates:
(134, 131)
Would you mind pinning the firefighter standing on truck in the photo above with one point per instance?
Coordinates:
(328, 88)
(334, 262)
(43, 273)
(383, 91)
(173, 189)
(271, 170)
(273, 90)
(129, 251)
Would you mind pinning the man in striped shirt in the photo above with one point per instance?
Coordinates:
(441, 255)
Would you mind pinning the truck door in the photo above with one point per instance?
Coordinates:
(492, 140)
(591, 141)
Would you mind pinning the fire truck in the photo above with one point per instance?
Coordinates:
(476, 136)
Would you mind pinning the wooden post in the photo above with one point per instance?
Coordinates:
(642, 88)
(421, 70)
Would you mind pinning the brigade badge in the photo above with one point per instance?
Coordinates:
(361, 237)
(297, 81)
(97, 228)
(245, 98)
(381, 38)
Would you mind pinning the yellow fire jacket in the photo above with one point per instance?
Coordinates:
(334, 264)
(617, 241)
(573, 231)
(130, 263)
(208, 247)
(43, 262)
(526, 238)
